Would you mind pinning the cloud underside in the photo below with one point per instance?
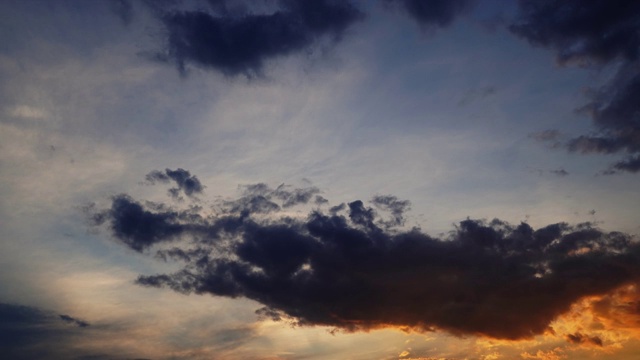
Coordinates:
(240, 43)
(591, 34)
(354, 267)
(235, 40)
(433, 13)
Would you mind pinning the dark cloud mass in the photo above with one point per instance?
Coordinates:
(595, 33)
(237, 44)
(433, 13)
(352, 270)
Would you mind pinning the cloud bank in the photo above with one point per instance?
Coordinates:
(355, 268)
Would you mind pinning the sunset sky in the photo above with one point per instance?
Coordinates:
(319, 179)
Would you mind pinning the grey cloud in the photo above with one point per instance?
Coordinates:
(32, 333)
(240, 43)
(595, 33)
(260, 198)
(546, 135)
(476, 94)
(319, 200)
(433, 13)
(336, 209)
(392, 204)
(559, 172)
(123, 9)
(352, 271)
(631, 164)
(583, 32)
(139, 227)
(72, 320)
(292, 197)
(187, 184)
(232, 338)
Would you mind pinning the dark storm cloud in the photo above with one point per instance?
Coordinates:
(595, 33)
(240, 43)
(188, 184)
(433, 13)
(344, 269)
(31, 333)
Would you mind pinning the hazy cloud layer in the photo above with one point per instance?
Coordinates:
(239, 42)
(355, 269)
(595, 33)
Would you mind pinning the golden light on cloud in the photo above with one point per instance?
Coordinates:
(604, 322)
(603, 326)
(554, 354)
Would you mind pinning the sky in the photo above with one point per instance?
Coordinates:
(319, 179)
